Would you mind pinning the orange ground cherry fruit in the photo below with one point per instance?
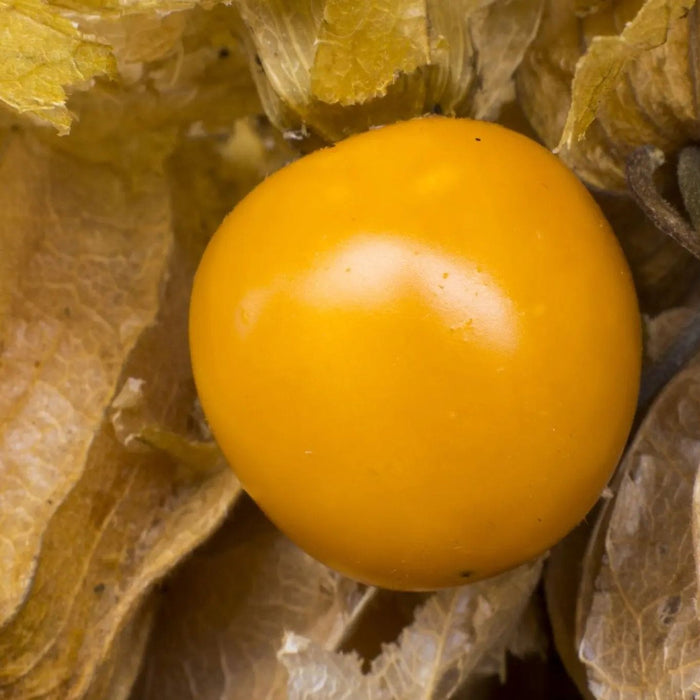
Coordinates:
(419, 350)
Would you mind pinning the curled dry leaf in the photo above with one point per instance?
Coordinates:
(87, 526)
(634, 82)
(638, 628)
(453, 633)
(115, 678)
(335, 67)
(84, 285)
(42, 54)
(250, 584)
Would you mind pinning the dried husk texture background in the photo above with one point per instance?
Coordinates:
(131, 565)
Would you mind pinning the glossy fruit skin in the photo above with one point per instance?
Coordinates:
(419, 350)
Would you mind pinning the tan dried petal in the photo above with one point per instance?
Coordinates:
(122, 520)
(335, 69)
(250, 584)
(544, 77)
(452, 634)
(633, 82)
(114, 679)
(92, 261)
(640, 631)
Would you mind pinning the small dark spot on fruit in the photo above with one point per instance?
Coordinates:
(99, 588)
(539, 520)
(466, 573)
(224, 52)
(477, 139)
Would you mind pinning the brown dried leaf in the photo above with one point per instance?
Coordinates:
(544, 77)
(105, 522)
(633, 82)
(92, 256)
(115, 678)
(250, 584)
(335, 69)
(452, 634)
(640, 635)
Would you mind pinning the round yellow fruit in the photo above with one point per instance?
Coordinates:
(419, 350)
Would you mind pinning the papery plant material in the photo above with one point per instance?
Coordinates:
(88, 526)
(114, 679)
(42, 54)
(87, 262)
(633, 84)
(250, 584)
(194, 62)
(452, 634)
(333, 67)
(664, 272)
(638, 628)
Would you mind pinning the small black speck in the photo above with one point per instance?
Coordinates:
(224, 52)
(539, 520)
(99, 588)
(67, 311)
(258, 62)
(477, 139)
(49, 501)
(466, 573)
(437, 109)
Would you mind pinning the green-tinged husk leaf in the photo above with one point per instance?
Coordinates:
(42, 54)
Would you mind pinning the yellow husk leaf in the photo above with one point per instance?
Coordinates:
(42, 54)
(334, 68)
(633, 82)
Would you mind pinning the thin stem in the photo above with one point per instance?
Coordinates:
(641, 166)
